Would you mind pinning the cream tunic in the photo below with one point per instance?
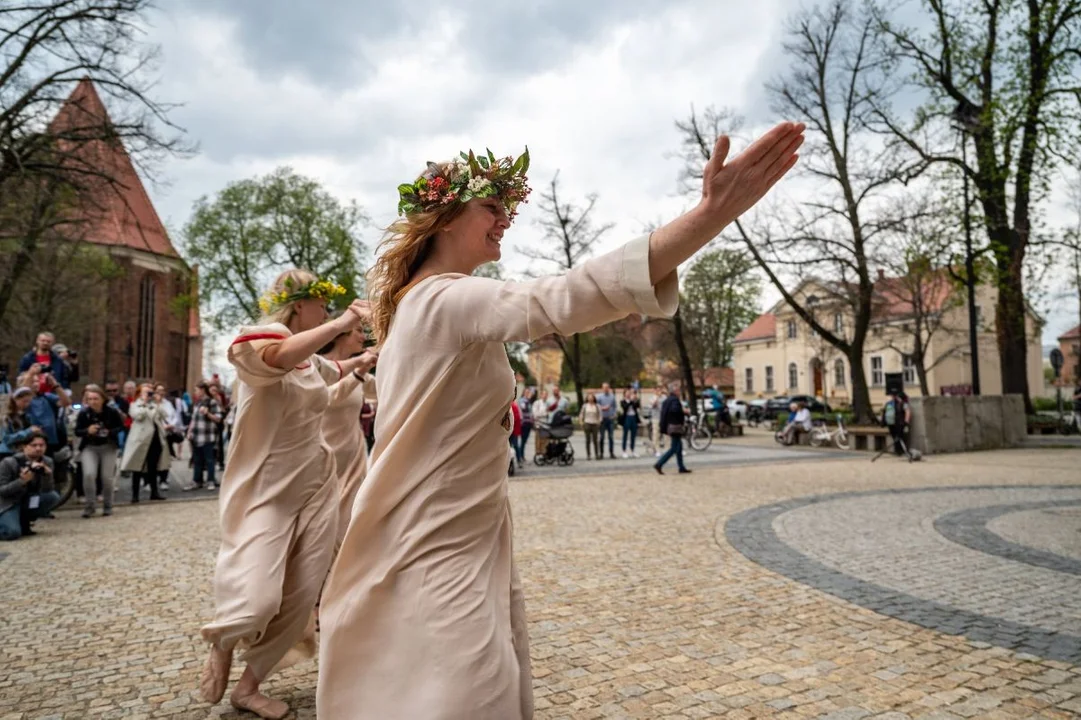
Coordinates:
(278, 505)
(422, 615)
(342, 431)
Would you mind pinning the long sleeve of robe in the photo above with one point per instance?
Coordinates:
(422, 615)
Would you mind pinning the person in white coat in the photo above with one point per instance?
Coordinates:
(146, 451)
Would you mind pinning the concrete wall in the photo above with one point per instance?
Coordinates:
(957, 424)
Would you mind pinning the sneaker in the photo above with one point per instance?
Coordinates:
(107, 511)
(211, 486)
(625, 456)
(634, 455)
(189, 488)
(684, 471)
(88, 512)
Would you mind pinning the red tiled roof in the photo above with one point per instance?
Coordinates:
(122, 213)
(724, 377)
(763, 328)
(895, 298)
(1071, 334)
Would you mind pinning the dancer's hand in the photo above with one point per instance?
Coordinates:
(357, 314)
(368, 359)
(731, 187)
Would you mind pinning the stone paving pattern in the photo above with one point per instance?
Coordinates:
(639, 608)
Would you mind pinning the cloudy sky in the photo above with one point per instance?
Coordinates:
(360, 95)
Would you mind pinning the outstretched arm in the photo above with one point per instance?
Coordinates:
(297, 348)
(729, 189)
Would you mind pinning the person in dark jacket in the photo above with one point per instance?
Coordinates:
(98, 428)
(673, 419)
(47, 359)
(26, 488)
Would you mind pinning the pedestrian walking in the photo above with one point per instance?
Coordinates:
(673, 418)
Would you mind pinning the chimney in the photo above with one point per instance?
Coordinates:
(881, 274)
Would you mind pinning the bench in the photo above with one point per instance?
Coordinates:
(868, 437)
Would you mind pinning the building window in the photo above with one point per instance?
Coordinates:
(769, 378)
(878, 379)
(749, 380)
(144, 337)
(838, 323)
(839, 373)
(979, 317)
(791, 329)
(908, 367)
(793, 376)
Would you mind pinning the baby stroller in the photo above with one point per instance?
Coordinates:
(556, 436)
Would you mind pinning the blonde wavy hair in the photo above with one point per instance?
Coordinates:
(401, 253)
(284, 314)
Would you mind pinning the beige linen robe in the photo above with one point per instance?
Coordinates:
(278, 505)
(344, 435)
(422, 615)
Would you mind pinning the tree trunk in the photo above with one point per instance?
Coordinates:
(861, 395)
(576, 370)
(1010, 329)
(685, 362)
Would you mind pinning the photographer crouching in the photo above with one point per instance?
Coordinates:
(26, 488)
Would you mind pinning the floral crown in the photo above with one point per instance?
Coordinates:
(320, 289)
(465, 178)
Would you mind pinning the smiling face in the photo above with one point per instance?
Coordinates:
(475, 235)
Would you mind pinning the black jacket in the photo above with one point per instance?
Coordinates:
(672, 412)
(108, 418)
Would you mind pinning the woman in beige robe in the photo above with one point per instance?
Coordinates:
(341, 422)
(279, 495)
(422, 615)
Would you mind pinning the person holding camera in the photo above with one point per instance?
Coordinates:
(44, 356)
(98, 428)
(146, 450)
(18, 427)
(26, 488)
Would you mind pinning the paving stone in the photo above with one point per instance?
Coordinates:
(639, 605)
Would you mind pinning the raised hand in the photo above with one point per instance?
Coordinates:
(731, 187)
(358, 313)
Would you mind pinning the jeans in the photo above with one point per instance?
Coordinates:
(203, 456)
(677, 450)
(630, 428)
(608, 426)
(526, 429)
(897, 434)
(12, 520)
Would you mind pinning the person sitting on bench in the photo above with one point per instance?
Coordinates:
(800, 423)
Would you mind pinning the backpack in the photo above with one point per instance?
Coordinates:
(889, 414)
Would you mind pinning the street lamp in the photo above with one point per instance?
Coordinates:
(965, 120)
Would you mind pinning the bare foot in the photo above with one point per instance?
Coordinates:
(259, 704)
(216, 674)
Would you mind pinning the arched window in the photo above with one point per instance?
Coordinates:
(839, 373)
(793, 376)
(144, 338)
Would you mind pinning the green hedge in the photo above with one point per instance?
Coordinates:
(1044, 404)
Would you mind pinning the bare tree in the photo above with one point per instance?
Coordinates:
(838, 79)
(48, 47)
(923, 288)
(1005, 75)
(571, 236)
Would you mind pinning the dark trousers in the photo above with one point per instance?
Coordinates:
(677, 450)
(526, 429)
(204, 457)
(630, 430)
(593, 445)
(897, 434)
(608, 427)
(150, 474)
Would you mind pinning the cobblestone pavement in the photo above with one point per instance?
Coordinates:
(640, 605)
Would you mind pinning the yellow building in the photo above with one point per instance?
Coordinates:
(780, 354)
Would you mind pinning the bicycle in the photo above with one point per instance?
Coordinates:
(822, 435)
(698, 435)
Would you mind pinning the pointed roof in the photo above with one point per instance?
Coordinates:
(121, 213)
(1070, 334)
